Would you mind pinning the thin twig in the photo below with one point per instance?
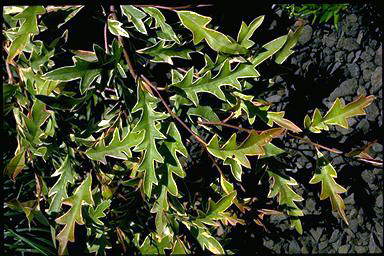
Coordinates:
(11, 80)
(227, 125)
(306, 140)
(363, 159)
(106, 38)
(228, 118)
(173, 8)
(185, 71)
(214, 162)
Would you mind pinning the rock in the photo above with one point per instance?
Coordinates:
(358, 53)
(350, 25)
(367, 73)
(354, 69)
(343, 131)
(359, 37)
(376, 79)
(363, 125)
(330, 40)
(305, 35)
(361, 90)
(335, 67)
(368, 176)
(367, 55)
(340, 56)
(350, 56)
(377, 147)
(367, 65)
(348, 87)
(347, 43)
(379, 56)
(372, 43)
(372, 112)
(361, 249)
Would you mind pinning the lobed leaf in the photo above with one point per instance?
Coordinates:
(281, 187)
(338, 114)
(245, 32)
(58, 192)
(147, 124)
(326, 174)
(136, 16)
(114, 26)
(81, 196)
(206, 83)
(219, 42)
(117, 148)
(28, 21)
(252, 145)
(160, 52)
(292, 38)
(167, 32)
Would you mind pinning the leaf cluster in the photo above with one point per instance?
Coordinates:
(107, 142)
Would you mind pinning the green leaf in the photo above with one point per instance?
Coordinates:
(326, 174)
(338, 114)
(114, 26)
(152, 246)
(81, 196)
(35, 83)
(135, 16)
(206, 83)
(245, 33)
(117, 148)
(277, 118)
(223, 204)
(167, 31)
(59, 191)
(270, 49)
(209, 242)
(252, 145)
(161, 52)
(219, 42)
(63, 102)
(28, 20)
(179, 248)
(173, 144)
(147, 124)
(98, 212)
(283, 54)
(86, 71)
(281, 187)
(16, 165)
(160, 207)
(205, 112)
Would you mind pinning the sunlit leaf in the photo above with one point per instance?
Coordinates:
(326, 174)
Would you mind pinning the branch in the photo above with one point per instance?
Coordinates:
(149, 86)
(172, 8)
(228, 125)
(334, 150)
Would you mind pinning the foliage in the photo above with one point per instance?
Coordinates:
(105, 153)
(322, 11)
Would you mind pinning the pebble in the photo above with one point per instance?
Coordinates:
(379, 56)
(350, 56)
(357, 55)
(376, 80)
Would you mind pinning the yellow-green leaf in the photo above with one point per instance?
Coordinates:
(281, 187)
(338, 114)
(219, 42)
(326, 174)
(81, 196)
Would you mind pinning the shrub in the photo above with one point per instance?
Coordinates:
(105, 142)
